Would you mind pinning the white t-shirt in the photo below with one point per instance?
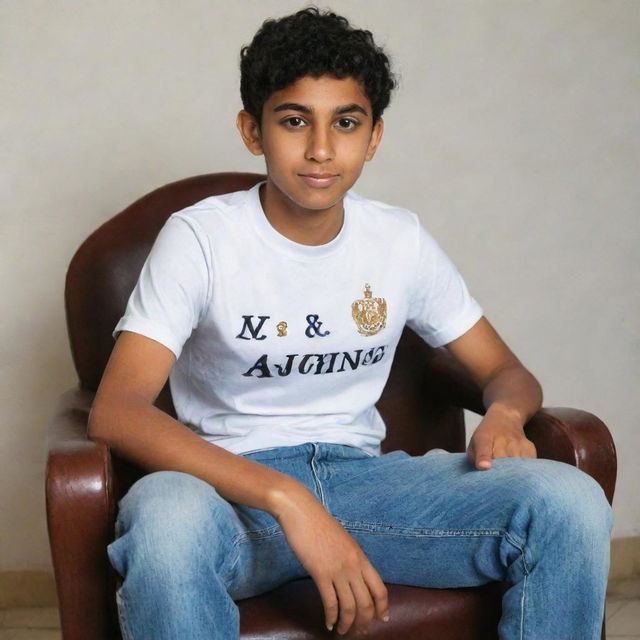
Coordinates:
(279, 343)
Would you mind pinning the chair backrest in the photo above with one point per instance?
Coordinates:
(104, 270)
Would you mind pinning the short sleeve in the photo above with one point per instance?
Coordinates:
(173, 289)
(441, 307)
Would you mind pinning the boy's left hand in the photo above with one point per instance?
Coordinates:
(498, 437)
(510, 393)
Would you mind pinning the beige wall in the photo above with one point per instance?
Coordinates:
(514, 134)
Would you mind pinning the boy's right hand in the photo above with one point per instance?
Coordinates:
(351, 589)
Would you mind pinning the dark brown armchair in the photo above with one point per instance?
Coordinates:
(422, 403)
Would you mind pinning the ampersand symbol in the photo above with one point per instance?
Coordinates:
(314, 327)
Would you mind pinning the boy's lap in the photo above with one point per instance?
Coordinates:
(440, 491)
(431, 521)
(421, 520)
(435, 493)
(376, 500)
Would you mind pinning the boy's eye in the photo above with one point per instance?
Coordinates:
(346, 124)
(294, 122)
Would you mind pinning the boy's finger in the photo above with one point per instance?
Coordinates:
(502, 450)
(483, 453)
(346, 606)
(365, 606)
(329, 601)
(378, 592)
(513, 449)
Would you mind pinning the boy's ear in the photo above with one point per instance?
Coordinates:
(249, 129)
(374, 141)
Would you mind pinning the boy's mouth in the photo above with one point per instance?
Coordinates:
(319, 179)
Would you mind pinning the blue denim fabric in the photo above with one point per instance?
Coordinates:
(435, 521)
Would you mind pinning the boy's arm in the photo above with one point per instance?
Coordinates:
(124, 417)
(511, 395)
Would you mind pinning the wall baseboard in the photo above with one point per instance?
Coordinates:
(625, 558)
(38, 589)
(27, 589)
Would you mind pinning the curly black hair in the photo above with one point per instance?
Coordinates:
(313, 43)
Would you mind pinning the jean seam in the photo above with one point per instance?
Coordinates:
(229, 574)
(316, 479)
(522, 604)
(519, 545)
(258, 534)
(122, 618)
(387, 529)
(261, 534)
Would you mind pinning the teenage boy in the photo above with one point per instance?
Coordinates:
(276, 313)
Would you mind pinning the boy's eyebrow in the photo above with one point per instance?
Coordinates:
(302, 108)
(350, 108)
(293, 106)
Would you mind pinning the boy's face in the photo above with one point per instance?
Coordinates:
(316, 135)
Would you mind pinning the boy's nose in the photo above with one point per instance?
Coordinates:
(319, 146)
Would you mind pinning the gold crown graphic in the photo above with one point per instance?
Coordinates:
(369, 313)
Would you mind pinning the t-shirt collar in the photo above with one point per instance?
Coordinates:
(275, 239)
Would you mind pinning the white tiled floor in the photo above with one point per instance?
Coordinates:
(623, 617)
(623, 609)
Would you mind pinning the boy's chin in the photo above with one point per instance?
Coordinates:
(317, 204)
(313, 199)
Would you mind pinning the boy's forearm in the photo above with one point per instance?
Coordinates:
(513, 394)
(155, 441)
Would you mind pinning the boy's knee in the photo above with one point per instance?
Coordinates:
(570, 498)
(166, 494)
(174, 515)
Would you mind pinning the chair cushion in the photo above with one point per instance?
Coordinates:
(294, 611)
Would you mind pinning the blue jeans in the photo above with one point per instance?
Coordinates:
(435, 521)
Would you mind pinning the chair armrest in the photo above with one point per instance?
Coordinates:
(80, 514)
(578, 438)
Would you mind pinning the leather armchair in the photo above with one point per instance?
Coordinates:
(422, 405)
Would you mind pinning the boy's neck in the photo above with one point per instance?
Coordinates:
(304, 226)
